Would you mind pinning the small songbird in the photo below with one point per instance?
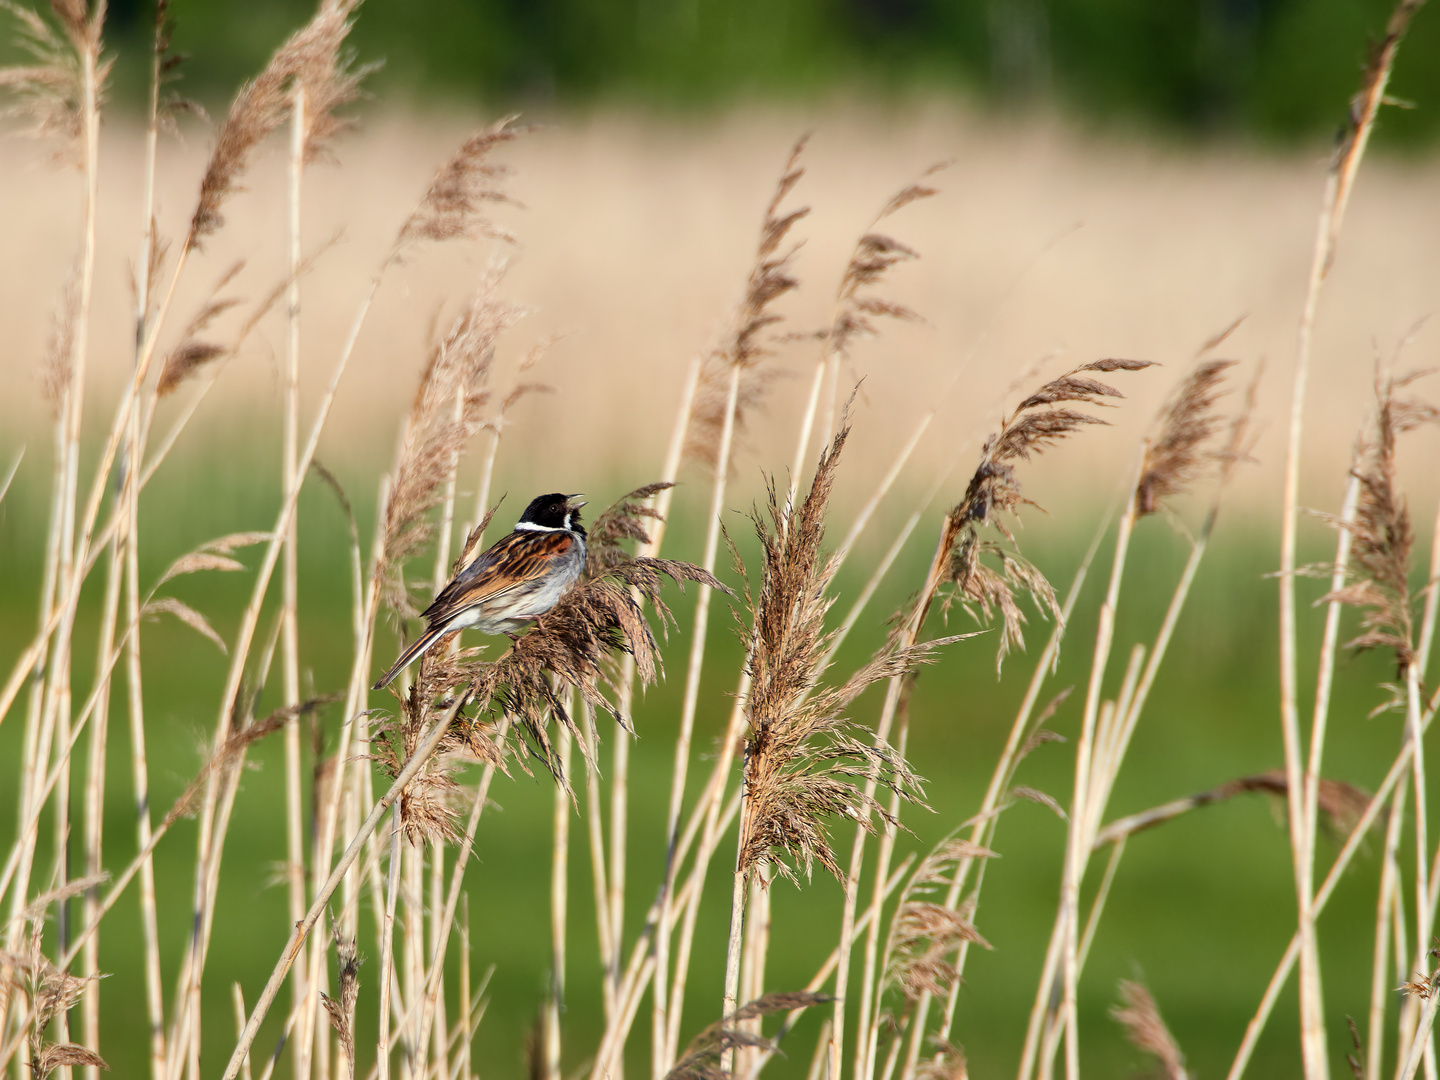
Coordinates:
(511, 583)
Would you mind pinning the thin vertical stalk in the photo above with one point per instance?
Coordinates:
(660, 1049)
(1380, 987)
(868, 1036)
(559, 898)
(462, 1059)
(95, 793)
(893, 691)
(613, 910)
(387, 953)
(595, 830)
(439, 935)
(416, 762)
(300, 1048)
(1081, 827)
(1339, 184)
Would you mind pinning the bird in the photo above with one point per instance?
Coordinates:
(511, 583)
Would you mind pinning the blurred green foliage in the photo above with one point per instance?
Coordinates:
(1271, 69)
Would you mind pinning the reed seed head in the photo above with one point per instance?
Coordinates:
(749, 338)
(1044, 418)
(1383, 538)
(1178, 454)
(1138, 1014)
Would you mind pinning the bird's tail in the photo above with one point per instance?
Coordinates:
(417, 647)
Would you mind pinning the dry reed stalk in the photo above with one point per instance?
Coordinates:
(63, 92)
(1171, 461)
(94, 816)
(1364, 108)
(147, 269)
(559, 898)
(595, 834)
(1383, 540)
(290, 577)
(799, 754)
(853, 312)
(712, 424)
(987, 817)
(1397, 770)
(1039, 420)
(434, 984)
(1380, 986)
(459, 210)
(823, 974)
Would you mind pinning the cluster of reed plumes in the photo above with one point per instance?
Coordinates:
(381, 828)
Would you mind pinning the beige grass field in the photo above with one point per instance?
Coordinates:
(1047, 242)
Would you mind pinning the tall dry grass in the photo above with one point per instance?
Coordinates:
(398, 784)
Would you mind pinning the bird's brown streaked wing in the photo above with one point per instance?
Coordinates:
(513, 561)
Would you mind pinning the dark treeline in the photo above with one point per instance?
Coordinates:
(1272, 69)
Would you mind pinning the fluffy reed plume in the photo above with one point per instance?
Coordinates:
(745, 343)
(621, 523)
(1041, 420)
(452, 204)
(310, 57)
(703, 1057)
(1176, 458)
(1140, 1017)
(1382, 535)
(924, 934)
(874, 255)
(801, 760)
(598, 619)
(50, 91)
(947, 1064)
(194, 352)
(51, 991)
(59, 364)
(436, 432)
(342, 1007)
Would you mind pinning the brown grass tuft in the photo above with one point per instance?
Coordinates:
(193, 352)
(1342, 804)
(801, 760)
(451, 206)
(948, 1063)
(1176, 457)
(872, 258)
(1140, 1017)
(435, 434)
(598, 619)
(1041, 420)
(342, 1007)
(1382, 534)
(745, 344)
(622, 522)
(50, 91)
(311, 56)
(58, 368)
(703, 1057)
(924, 934)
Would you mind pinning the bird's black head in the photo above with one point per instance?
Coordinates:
(554, 511)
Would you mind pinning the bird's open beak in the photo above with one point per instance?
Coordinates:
(575, 502)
